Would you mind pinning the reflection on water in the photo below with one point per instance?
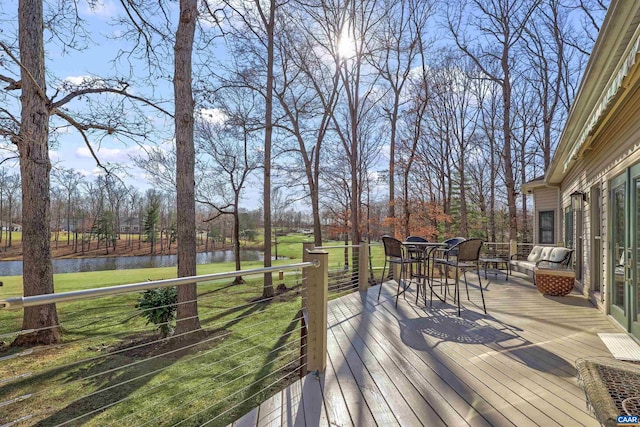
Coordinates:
(14, 268)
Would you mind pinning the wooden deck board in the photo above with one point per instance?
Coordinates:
(417, 365)
(270, 412)
(292, 411)
(510, 403)
(401, 396)
(313, 402)
(337, 410)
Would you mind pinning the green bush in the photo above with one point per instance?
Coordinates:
(158, 306)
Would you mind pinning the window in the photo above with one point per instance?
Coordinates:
(546, 227)
(568, 227)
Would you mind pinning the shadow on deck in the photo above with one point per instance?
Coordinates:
(417, 365)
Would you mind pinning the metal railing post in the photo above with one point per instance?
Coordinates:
(513, 248)
(363, 267)
(306, 248)
(317, 293)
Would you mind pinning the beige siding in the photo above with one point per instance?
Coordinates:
(615, 147)
(545, 199)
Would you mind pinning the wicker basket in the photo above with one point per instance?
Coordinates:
(554, 282)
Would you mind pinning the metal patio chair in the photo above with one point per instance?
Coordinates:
(395, 253)
(467, 257)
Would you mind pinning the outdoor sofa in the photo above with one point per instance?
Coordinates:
(549, 257)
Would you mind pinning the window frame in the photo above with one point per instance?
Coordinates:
(541, 230)
(568, 227)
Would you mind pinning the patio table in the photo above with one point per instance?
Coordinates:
(495, 270)
(429, 253)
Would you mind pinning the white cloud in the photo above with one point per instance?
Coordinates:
(101, 8)
(76, 80)
(114, 155)
(212, 115)
(90, 173)
(54, 156)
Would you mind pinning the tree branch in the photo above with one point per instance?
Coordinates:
(26, 71)
(82, 128)
(122, 92)
(13, 84)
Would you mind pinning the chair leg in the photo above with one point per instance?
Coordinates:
(466, 285)
(399, 280)
(446, 283)
(457, 288)
(484, 307)
(382, 279)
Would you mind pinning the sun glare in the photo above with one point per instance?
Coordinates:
(346, 45)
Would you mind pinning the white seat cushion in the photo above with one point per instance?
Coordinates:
(546, 253)
(534, 255)
(558, 254)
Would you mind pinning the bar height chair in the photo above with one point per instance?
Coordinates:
(468, 257)
(443, 255)
(396, 254)
(421, 254)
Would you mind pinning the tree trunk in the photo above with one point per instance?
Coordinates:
(10, 240)
(315, 210)
(68, 218)
(392, 169)
(187, 314)
(492, 191)
(35, 166)
(2, 224)
(236, 240)
(407, 208)
(506, 152)
(464, 223)
(267, 291)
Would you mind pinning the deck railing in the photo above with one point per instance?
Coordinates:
(111, 368)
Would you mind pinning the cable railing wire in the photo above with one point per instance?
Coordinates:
(218, 387)
(212, 364)
(76, 324)
(102, 408)
(238, 391)
(92, 359)
(102, 337)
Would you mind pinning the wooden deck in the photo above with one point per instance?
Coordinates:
(416, 365)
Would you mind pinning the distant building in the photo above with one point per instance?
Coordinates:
(10, 226)
(130, 225)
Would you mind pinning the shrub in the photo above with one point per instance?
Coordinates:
(158, 306)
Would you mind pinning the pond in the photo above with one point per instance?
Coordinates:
(72, 265)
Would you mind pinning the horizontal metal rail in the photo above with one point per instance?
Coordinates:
(31, 301)
(337, 247)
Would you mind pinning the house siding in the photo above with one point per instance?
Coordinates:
(545, 199)
(614, 148)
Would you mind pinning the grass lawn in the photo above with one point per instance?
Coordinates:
(113, 369)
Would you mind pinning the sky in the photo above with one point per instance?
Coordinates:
(68, 150)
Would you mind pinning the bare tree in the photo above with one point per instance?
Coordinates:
(229, 148)
(254, 37)
(31, 136)
(68, 179)
(400, 41)
(361, 95)
(308, 89)
(487, 31)
(187, 313)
